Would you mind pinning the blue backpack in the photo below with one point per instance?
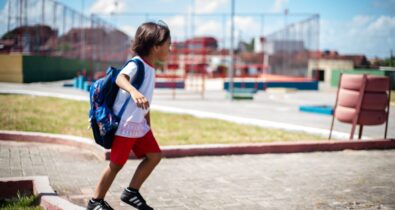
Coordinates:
(103, 121)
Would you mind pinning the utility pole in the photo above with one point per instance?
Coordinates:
(9, 17)
(82, 30)
(232, 52)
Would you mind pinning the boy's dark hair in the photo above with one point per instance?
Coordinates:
(148, 35)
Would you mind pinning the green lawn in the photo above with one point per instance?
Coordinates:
(53, 115)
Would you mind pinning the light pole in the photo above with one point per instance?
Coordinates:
(232, 53)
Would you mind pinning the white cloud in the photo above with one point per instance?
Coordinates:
(177, 25)
(108, 6)
(207, 6)
(210, 27)
(362, 20)
(245, 23)
(372, 36)
(279, 5)
(129, 30)
(382, 24)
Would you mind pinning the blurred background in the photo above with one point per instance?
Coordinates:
(47, 40)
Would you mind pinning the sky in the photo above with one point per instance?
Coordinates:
(347, 26)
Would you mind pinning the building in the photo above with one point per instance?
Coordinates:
(192, 55)
(322, 64)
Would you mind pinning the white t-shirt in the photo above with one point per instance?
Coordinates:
(133, 123)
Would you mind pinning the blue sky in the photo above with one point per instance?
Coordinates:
(348, 26)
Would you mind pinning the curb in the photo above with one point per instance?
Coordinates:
(279, 147)
(208, 149)
(39, 186)
(37, 137)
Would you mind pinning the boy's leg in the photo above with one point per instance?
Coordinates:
(144, 169)
(106, 180)
(120, 150)
(145, 147)
(131, 195)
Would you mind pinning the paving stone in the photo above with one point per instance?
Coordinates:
(321, 180)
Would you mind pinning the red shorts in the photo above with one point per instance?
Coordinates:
(121, 147)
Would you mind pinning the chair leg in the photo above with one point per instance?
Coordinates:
(330, 132)
(359, 106)
(360, 131)
(388, 107)
(386, 129)
(352, 131)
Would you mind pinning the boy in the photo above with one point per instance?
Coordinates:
(151, 44)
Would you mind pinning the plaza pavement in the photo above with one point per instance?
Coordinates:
(320, 180)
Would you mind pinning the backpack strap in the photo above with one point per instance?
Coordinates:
(139, 77)
(137, 81)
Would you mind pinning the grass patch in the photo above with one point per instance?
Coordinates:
(186, 129)
(53, 115)
(44, 114)
(21, 202)
(393, 96)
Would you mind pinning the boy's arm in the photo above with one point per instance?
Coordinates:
(148, 119)
(123, 82)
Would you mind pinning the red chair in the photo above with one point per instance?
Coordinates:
(362, 100)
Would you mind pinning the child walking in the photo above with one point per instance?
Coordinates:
(151, 44)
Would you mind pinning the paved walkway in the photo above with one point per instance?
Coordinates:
(321, 180)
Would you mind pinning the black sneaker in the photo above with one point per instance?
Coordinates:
(98, 205)
(134, 198)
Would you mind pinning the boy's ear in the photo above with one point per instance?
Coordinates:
(156, 48)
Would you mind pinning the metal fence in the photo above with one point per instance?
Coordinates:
(290, 48)
(278, 43)
(275, 43)
(47, 27)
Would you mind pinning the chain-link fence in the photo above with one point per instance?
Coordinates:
(274, 43)
(278, 43)
(47, 27)
(289, 48)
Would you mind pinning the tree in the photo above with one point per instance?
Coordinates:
(245, 46)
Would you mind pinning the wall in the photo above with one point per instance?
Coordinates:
(336, 75)
(20, 68)
(11, 68)
(328, 65)
(45, 68)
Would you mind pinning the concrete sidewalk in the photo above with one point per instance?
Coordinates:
(320, 180)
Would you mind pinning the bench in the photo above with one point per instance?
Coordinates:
(242, 93)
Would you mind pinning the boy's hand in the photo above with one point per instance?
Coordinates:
(139, 99)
